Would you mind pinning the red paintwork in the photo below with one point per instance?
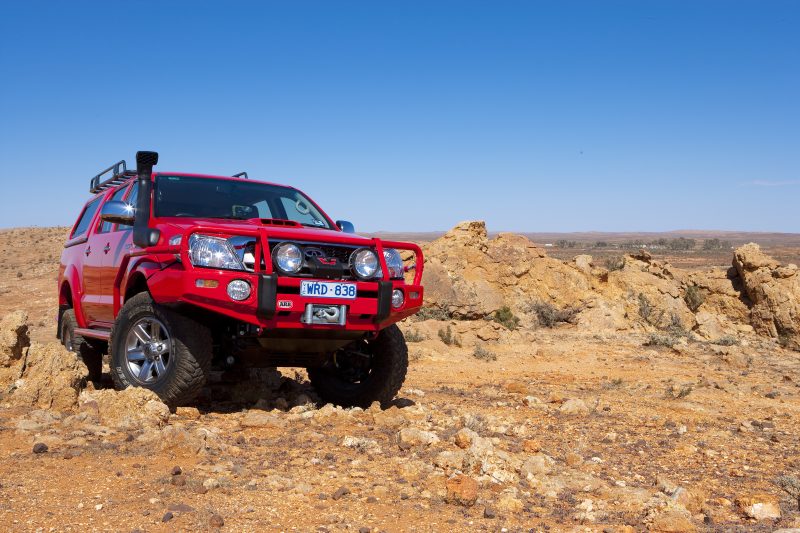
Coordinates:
(95, 282)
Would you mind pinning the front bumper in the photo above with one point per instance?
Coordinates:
(275, 301)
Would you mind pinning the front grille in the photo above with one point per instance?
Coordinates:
(339, 252)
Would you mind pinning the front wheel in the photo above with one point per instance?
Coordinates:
(364, 372)
(160, 350)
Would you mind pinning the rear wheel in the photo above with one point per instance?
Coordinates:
(364, 372)
(160, 350)
(90, 354)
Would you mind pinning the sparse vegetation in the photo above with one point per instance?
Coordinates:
(716, 244)
(678, 393)
(413, 335)
(549, 315)
(648, 312)
(449, 338)
(506, 318)
(433, 313)
(615, 262)
(667, 339)
(727, 340)
(694, 297)
(483, 354)
(791, 486)
(563, 243)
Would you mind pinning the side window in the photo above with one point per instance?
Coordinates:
(108, 226)
(134, 195)
(86, 218)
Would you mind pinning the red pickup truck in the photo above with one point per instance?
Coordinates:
(173, 274)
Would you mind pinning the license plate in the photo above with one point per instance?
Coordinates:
(328, 289)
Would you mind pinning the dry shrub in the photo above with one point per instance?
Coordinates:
(506, 318)
(549, 315)
(483, 354)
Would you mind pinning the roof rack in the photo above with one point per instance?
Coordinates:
(241, 175)
(117, 177)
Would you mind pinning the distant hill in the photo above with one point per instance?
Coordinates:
(735, 237)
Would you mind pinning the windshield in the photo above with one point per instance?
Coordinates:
(183, 196)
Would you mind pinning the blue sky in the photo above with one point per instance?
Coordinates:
(535, 116)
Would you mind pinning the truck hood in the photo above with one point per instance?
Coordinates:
(179, 225)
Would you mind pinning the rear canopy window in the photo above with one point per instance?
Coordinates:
(86, 218)
(182, 196)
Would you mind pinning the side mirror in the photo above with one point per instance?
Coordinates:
(118, 212)
(346, 226)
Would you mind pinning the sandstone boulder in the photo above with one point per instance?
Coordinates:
(14, 342)
(471, 276)
(51, 379)
(774, 291)
(130, 409)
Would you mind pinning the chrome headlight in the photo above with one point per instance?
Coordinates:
(288, 258)
(213, 252)
(394, 263)
(364, 263)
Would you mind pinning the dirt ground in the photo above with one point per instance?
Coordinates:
(545, 429)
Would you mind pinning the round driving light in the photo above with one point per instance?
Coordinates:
(364, 263)
(288, 258)
(239, 290)
(397, 298)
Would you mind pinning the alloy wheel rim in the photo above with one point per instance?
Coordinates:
(148, 350)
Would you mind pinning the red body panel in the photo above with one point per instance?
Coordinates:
(97, 269)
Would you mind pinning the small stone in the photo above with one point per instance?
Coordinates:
(489, 513)
(40, 447)
(167, 516)
(462, 490)
(216, 521)
(341, 491)
(372, 499)
(178, 481)
(464, 438)
(364, 530)
(210, 483)
(176, 471)
(260, 419)
(509, 504)
(517, 387)
(537, 465)
(574, 406)
(409, 437)
(760, 506)
(531, 446)
(192, 413)
(98, 507)
(610, 437)
(180, 508)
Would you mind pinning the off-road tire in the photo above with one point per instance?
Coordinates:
(191, 349)
(389, 367)
(90, 353)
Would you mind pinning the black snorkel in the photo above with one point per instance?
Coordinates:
(143, 236)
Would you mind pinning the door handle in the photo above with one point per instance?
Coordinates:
(88, 251)
(107, 248)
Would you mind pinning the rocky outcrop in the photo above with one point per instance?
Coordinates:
(132, 408)
(51, 378)
(44, 376)
(471, 276)
(774, 291)
(14, 343)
